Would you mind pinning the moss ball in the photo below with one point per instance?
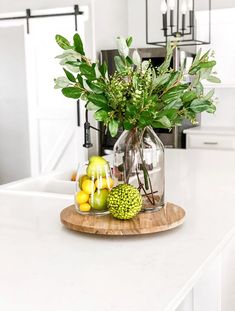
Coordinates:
(124, 201)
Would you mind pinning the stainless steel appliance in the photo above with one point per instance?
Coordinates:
(156, 55)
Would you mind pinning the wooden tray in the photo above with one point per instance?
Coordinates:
(170, 216)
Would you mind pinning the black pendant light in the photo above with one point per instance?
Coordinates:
(181, 21)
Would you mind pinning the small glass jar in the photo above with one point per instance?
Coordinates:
(93, 183)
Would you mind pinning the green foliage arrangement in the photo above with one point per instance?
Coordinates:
(137, 94)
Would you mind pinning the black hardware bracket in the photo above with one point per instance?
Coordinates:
(87, 132)
(28, 16)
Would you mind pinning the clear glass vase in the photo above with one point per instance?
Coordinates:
(139, 161)
(93, 184)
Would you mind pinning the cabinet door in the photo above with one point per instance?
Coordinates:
(55, 137)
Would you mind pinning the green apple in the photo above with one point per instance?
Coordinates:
(99, 199)
(97, 159)
(96, 169)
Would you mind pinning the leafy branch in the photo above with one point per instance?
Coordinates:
(137, 94)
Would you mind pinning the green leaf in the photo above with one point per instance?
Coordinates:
(127, 125)
(213, 79)
(123, 49)
(95, 88)
(78, 45)
(145, 65)
(160, 80)
(205, 56)
(129, 60)
(209, 64)
(199, 89)
(210, 94)
(211, 109)
(199, 105)
(61, 82)
(136, 58)
(197, 58)
(174, 77)
(97, 71)
(86, 86)
(145, 118)
(98, 100)
(92, 107)
(194, 69)
(174, 93)
(131, 108)
(205, 73)
(169, 53)
(69, 75)
(165, 122)
(62, 42)
(74, 64)
(120, 66)
(71, 92)
(80, 79)
(129, 41)
(88, 72)
(113, 127)
(174, 104)
(189, 96)
(101, 115)
(70, 55)
(103, 69)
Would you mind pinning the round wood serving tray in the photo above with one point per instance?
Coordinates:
(168, 217)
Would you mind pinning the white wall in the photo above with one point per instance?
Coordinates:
(14, 136)
(109, 16)
(110, 21)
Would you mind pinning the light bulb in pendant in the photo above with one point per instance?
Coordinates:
(184, 7)
(190, 5)
(171, 4)
(163, 7)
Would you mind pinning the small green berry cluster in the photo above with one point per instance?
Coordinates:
(124, 202)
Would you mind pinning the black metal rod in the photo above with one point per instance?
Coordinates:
(78, 113)
(28, 14)
(146, 20)
(185, 40)
(183, 23)
(40, 16)
(193, 22)
(171, 20)
(178, 15)
(76, 12)
(209, 21)
(164, 22)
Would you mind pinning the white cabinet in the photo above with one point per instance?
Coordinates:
(210, 138)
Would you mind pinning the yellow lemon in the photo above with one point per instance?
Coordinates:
(81, 180)
(85, 207)
(101, 183)
(88, 186)
(109, 183)
(82, 197)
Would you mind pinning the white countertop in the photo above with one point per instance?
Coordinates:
(228, 131)
(45, 267)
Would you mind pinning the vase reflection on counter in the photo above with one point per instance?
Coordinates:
(139, 161)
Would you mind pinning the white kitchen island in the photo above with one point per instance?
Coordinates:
(45, 267)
